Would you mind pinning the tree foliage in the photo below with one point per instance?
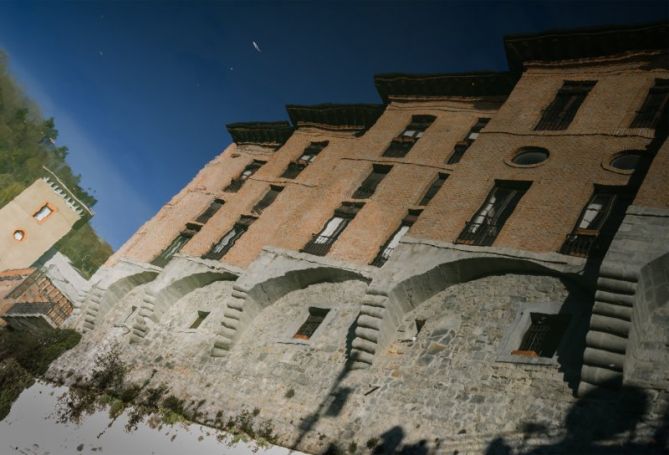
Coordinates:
(27, 143)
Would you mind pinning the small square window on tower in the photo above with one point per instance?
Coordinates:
(315, 319)
(43, 212)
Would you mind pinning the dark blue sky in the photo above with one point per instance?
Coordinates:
(141, 92)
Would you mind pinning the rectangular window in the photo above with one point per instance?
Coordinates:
(215, 205)
(434, 188)
(582, 239)
(320, 243)
(248, 171)
(267, 199)
(308, 156)
(543, 336)
(462, 146)
(201, 316)
(387, 249)
(559, 114)
(221, 248)
(654, 107)
(483, 228)
(401, 144)
(368, 187)
(177, 244)
(43, 212)
(315, 319)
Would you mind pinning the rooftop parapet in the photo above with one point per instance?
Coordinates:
(356, 117)
(584, 43)
(420, 86)
(63, 191)
(273, 134)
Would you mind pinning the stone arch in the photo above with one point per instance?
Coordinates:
(385, 306)
(247, 303)
(107, 292)
(646, 357)
(168, 292)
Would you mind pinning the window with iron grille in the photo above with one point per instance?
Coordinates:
(543, 336)
(401, 144)
(221, 248)
(267, 199)
(308, 156)
(387, 249)
(654, 108)
(177, 244)
(559, 114)
(320, 243)
(434, 188)
(215, 205)
(483, 228)
(201, 316)
(462, 146)
(315, 319)
(248, 171)
(583, 238)
(367, 188)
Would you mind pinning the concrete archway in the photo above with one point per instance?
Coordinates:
(384, 305)
(106, 293)
(247, 303)
(160, 298)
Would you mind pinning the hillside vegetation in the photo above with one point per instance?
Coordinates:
(27, 143)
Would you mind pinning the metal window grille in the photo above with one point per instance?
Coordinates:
(483, 228)
(320, 243)
(559, 114)
(582, 241)
(654, 107)
(544, 334)
(315, 319)
(221, 248)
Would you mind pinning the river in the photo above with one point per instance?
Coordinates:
(33, 427)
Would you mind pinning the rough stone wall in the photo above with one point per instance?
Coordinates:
(450, 386)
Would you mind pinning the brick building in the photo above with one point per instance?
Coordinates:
(446, 266)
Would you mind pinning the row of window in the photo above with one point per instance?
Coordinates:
(481, 230)
(557, 116)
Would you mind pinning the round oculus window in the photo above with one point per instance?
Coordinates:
(19, 235)
(530, 155)
(626, 161)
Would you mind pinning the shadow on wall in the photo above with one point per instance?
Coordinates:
(601, 422)
(333, 403)
(601, 416)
